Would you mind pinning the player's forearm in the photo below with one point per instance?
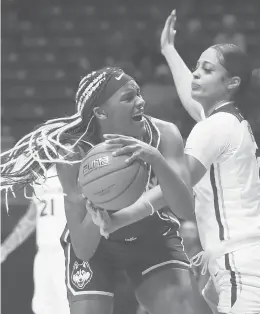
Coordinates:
(140, 209)
(176, 192)
(179, 198)
(85, 235)
(183, 78)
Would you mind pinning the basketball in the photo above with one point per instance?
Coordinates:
(108, 181)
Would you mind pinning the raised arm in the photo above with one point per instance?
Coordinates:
(84, 234)
(21, 232)
(182, 76)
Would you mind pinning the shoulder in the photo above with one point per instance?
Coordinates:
(222, 117)
(171, 139)
(215, 132)
(167, 129)
(222, 122)
(70, 140)
(73, 151)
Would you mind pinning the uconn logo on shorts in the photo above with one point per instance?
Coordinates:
(81, 274)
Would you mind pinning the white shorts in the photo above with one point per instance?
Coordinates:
(50, 294)
(234, 286)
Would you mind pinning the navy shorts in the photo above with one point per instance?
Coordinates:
(139, 255)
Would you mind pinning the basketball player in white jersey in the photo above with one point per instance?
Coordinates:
(46, 215)
(221, 155)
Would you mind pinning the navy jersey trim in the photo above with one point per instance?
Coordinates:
(230, 108)
(232, 281)
(216, 203)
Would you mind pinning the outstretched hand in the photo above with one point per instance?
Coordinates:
(169, 32)
(133, 147)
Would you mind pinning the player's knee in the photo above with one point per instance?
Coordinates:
(166, 300)
(172, 294)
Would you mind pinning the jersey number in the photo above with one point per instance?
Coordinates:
(47, 208)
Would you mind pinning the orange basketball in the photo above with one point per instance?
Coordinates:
(108, 181)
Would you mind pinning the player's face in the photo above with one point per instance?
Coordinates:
(210, 79)
(125, 111)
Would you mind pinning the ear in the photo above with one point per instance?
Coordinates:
(234, 83)
(99, 113)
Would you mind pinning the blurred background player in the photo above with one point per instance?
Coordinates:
(46, 216)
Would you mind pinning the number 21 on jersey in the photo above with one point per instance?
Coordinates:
(46, 208)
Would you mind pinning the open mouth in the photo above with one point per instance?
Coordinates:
(195, 86)
(138, 117)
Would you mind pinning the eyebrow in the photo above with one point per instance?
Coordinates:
(206, 62)
(131, 89)
(125, 93)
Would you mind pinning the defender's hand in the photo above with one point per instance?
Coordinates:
(169, 32)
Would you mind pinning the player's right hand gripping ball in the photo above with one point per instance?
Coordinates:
(108, 181)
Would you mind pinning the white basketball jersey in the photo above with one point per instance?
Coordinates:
(227, 198)
(51, 218)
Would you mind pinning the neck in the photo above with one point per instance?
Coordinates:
(108, 130)
(104, 128)
(217, 105)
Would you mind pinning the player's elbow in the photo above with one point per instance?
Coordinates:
(187, 207)
(182, 204)
(82, 251)
(83, 255)
(85, 241)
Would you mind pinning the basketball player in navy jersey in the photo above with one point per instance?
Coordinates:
(150, 251)
(221, 157)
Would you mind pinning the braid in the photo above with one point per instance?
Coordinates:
(31, 157)
(87, 113)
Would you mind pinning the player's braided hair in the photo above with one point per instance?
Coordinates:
(31, 157)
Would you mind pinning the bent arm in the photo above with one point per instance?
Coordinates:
(174, 189)
(140, 209)
(172, 173)
(21, 232)
(84, 234)
(182, 77)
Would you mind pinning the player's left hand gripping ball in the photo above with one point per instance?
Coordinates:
(133, 147)
(100, 218)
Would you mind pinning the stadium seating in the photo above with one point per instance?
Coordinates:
(48, 45)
